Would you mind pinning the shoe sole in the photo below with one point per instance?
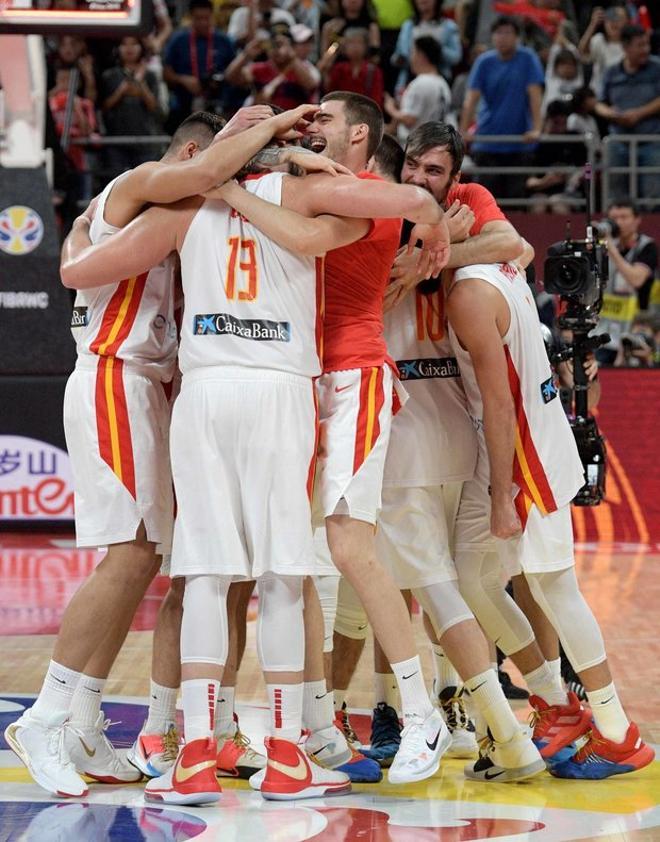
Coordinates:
(422, 776)
(320, 791)
(509, 775)
(191, 799)
(23, 756)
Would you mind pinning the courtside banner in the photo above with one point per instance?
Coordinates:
(627, 415)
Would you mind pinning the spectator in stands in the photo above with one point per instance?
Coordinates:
(603, 49)
(194, 56)
(130, 105)
(637, 348)
(506, 83)
(583, 107)
(633, 262)
(72, 53)
(255, 19)
(353, 13)
(564, 73)
(304, 46)
(427, 97)
(308, 13)
(391, 15)
(427, 20)
(356, 73)
(283, 79)
(630, 102)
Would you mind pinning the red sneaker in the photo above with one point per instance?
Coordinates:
(601, 758)
(192, 778)
(291, 774)
(236, 757)
(558, 726)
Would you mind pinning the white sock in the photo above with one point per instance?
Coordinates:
(445, 674)
(286, 706)
(609, 716)
(86, 701)
(414, 696)
(56, 692)
(224, 711)
(318, 706)
(339, 697)
(488, 698)
(199, 695)
(386, 689)
(162, 708)
(555, 666)
(542, 682)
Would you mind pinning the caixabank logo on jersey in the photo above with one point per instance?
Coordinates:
(428, 367)
(21, 230)
(261, 330)
(35, 480)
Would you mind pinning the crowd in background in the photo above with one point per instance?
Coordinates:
(533, 68)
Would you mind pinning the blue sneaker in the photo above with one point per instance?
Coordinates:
(361, 769)
(385, 735)
(601, 758)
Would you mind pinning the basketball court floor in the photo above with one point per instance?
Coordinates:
(40, 573)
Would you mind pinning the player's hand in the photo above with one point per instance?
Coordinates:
(244, 119)
(224, 192)
(311, 162)
(434, 255)
(291, 125)
(404, 276)
(504, 520)
(460, 219)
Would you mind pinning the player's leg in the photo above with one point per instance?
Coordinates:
(204, 645)
(236, 757)
(326, 741)
(281, 648)
(349, 636)
(615, 746)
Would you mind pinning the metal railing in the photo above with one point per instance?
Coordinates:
(632, 170)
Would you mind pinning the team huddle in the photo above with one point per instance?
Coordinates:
(366, 412)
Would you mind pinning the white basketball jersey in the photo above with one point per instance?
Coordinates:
(247, 301)
(547, 468)
(132, 320)
(433, 440)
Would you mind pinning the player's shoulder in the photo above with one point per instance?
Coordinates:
(469, 192)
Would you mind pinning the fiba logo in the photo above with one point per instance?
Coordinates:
(21, 230)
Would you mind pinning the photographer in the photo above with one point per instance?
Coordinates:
(633, 260)
(194, 59)
(637, 349)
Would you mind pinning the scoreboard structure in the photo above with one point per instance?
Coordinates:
(85, 17)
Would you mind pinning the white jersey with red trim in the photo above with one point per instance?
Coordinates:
(547, 468)
(132, 320)
(248, 301)
(433, 440)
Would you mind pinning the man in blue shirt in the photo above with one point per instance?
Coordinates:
(630, 102)
(192, 58)
(507, 85)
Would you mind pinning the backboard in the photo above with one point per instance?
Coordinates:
(86, 17)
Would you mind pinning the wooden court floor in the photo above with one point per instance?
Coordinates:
(621, 583)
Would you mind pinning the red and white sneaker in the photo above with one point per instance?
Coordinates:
(192, 778)
(556, 727)
(291, 774)
(154, 754)
(601, 758)
(236, 757)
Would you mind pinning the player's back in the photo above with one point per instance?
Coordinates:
(546, 465)
(356, 276)
(132, 320)
(248, 301)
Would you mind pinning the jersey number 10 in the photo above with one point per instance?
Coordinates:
(430, 311)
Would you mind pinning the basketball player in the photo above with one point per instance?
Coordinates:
(155, 233)
(116, 421)
(527, 473)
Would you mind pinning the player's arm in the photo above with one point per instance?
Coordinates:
(479, 316)
(142, 244)
(497, 242)
(162, 183)
(300, 234)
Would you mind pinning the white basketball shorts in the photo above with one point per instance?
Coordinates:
(414, 539)
(546, 544)
(116, 423)
(356, 418)
(243, 445)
